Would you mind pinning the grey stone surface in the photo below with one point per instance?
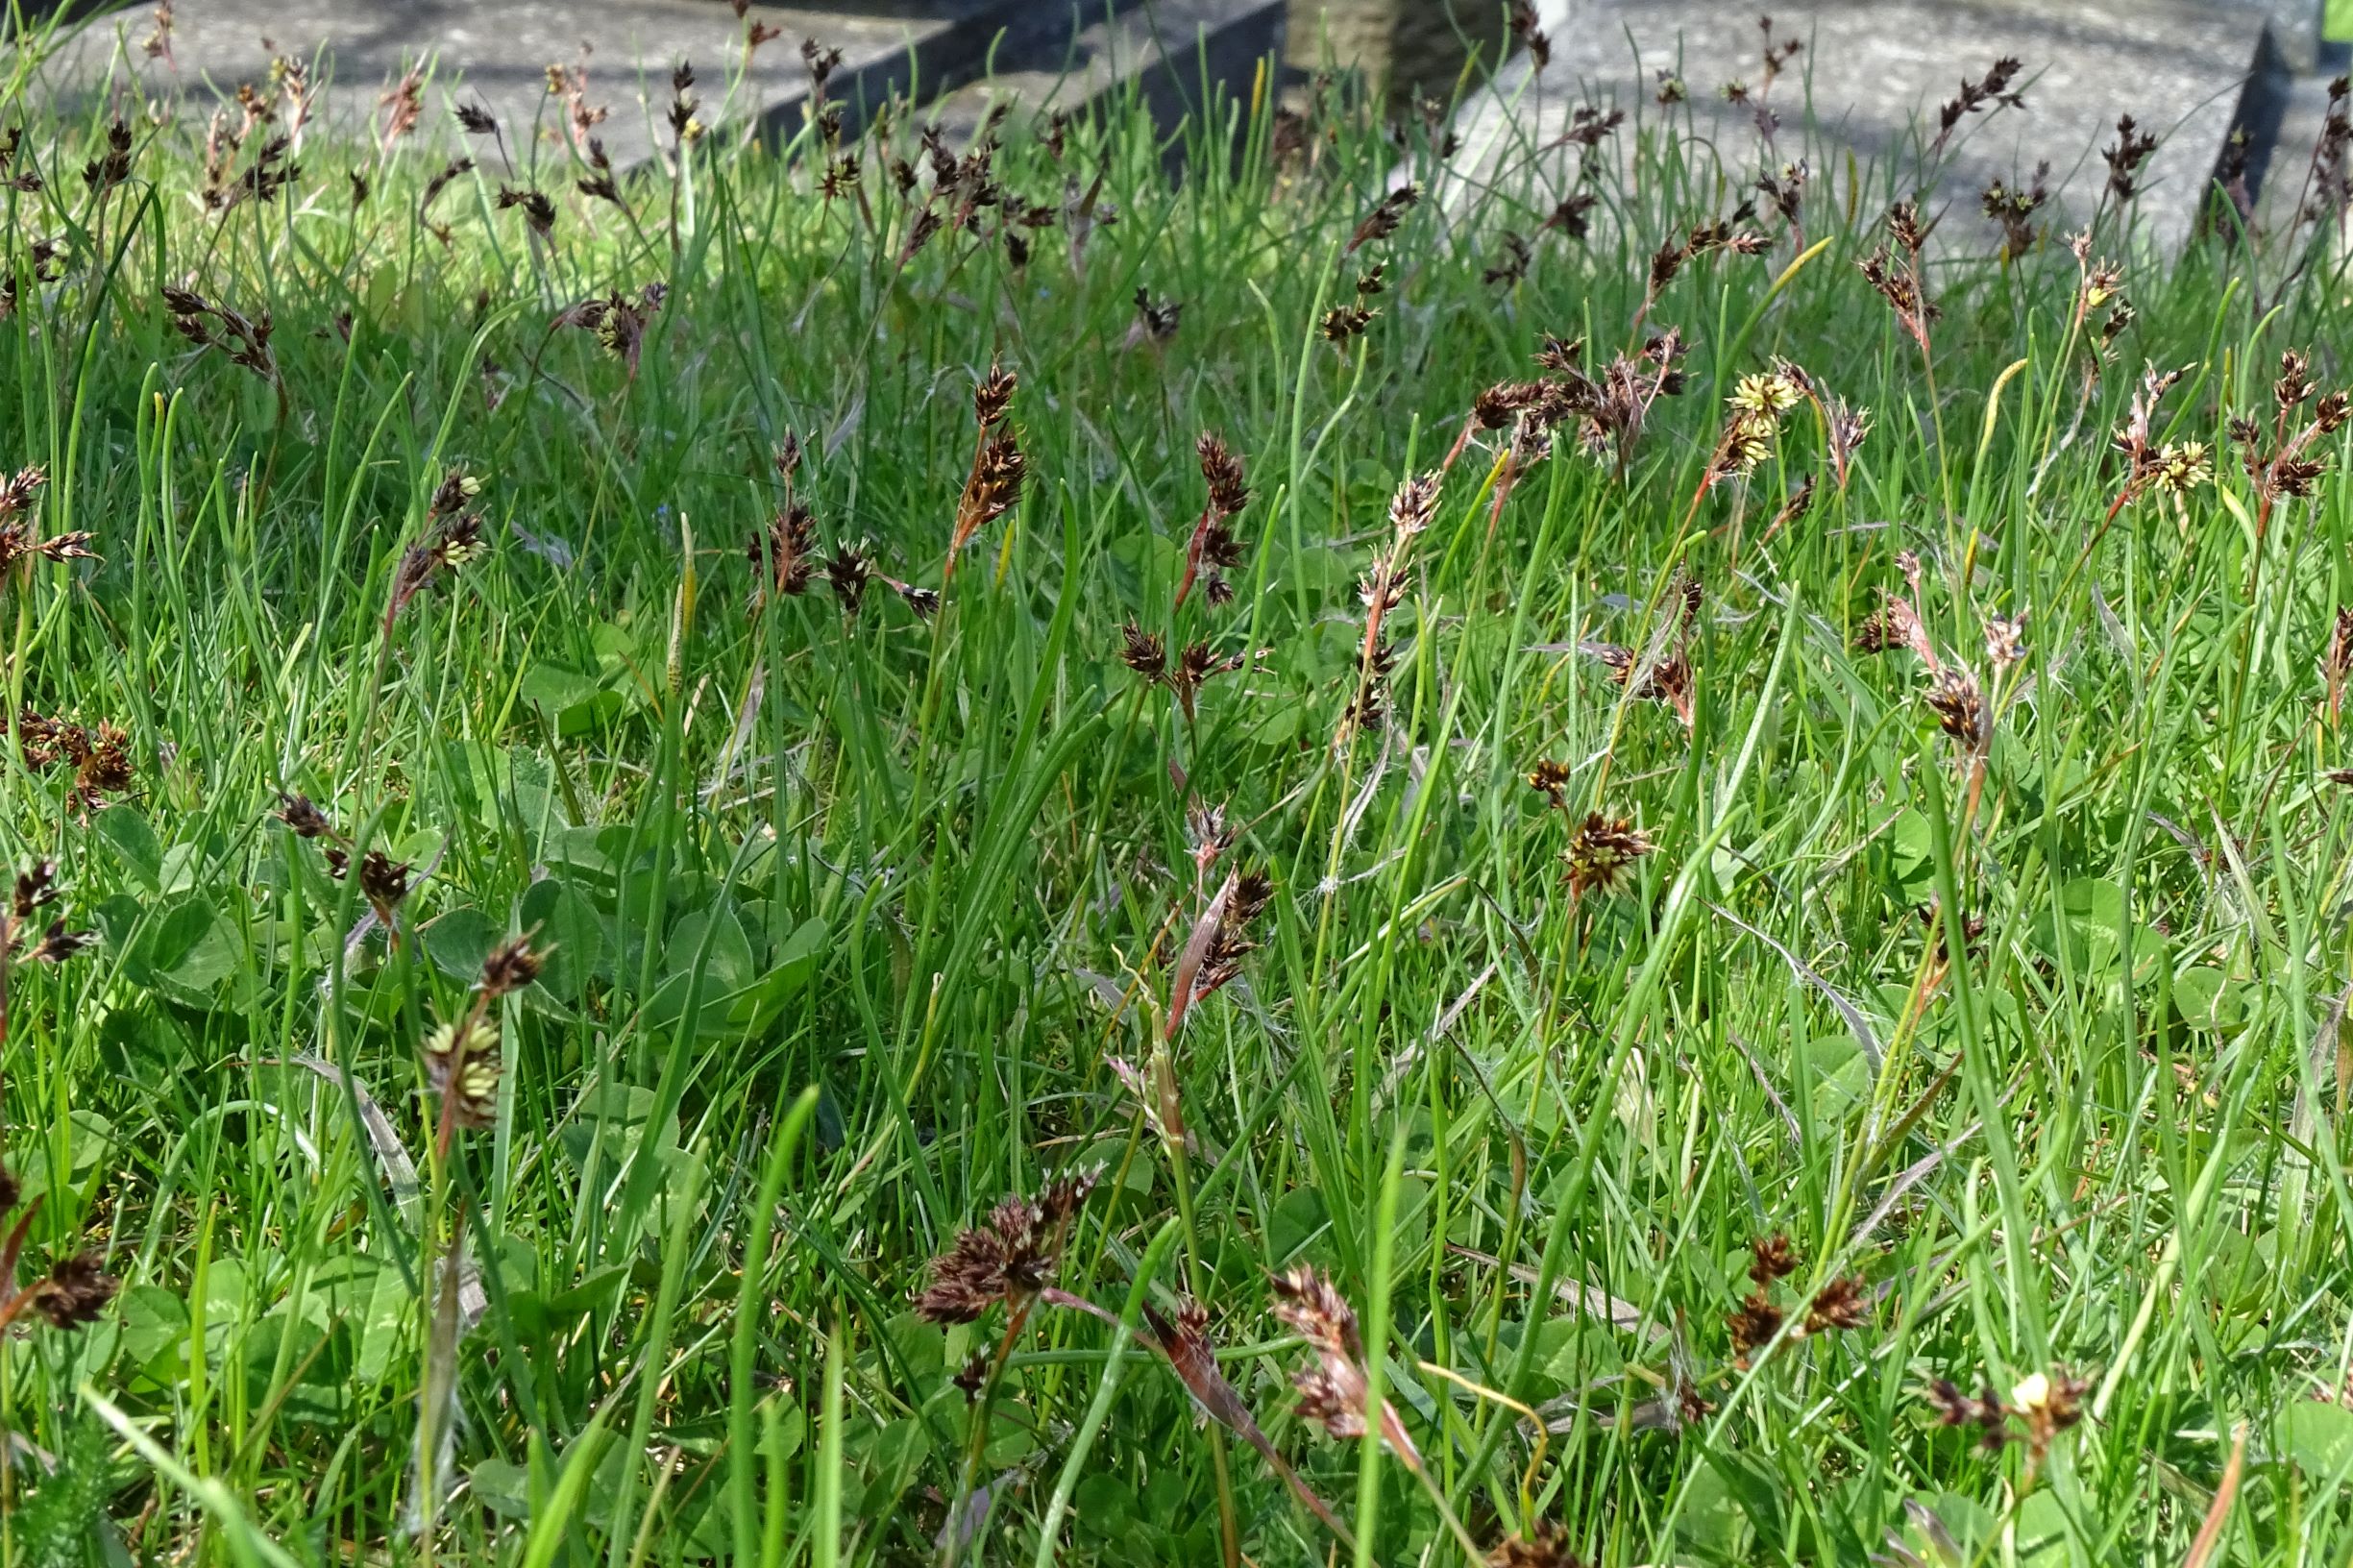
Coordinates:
(1871, 73)
(495, 52)
(1170, 52)
(1417, 46)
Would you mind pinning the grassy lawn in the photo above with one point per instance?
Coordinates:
(880, 854)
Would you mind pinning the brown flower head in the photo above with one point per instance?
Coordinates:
(2046, 1405)
(1547, 1545)
(992, 396)
(1142, 651)
(2133, 146)
(1222, 472)
(1415, 503)
(1384, 219)
(76, 1291)
(1959, 706)
(788, 546)
(847, 572)
(2005, 641)
(1771, 1258)
(102, 763)
(1602, 853)
(1992, 89)
(1333, 1391)
(1195, 665)
(990, 490)
(57, 944)
(1845, 1303)
(511, 966)
(538, 210)
(35, 889)
(1343, 322)
(1752, 1325)
(1956, 1407)
(1005, 1259)
(1552, 779)
(383, 882)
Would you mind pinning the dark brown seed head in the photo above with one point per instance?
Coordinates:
(1220, 547)
(1752, 1325)
(846, 571)
(1343, 322)
(1005, 1259)
(1142, 651)
(1954, 1407)
(1551, 778)
(1506, 400)
(1064, 1196)
(384, 881)
(1845, 1303)
(1307, 1304)
(2294, 384)
(511, 966)
(458, 543)
(1602, 853)
(995, 486)
(967, 1279)
(1415, 503)
(57, 944)
(1771, 1258)
(1512, 264)
(1547, 1545)
(1385, 217)
(103, 766)
(1560, 354)
(76, 1291)
(1222, 472)
(787, 546)
(1959, 706)
(1665, 262)
(451, 495)
(992, 396)
(35, 888)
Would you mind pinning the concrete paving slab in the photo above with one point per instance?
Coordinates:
(1173, 53)
(496, 53)
(1871, 72)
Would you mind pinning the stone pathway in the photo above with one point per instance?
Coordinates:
(496, 53)
(1870, 72)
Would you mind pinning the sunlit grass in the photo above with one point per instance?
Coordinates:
(1656, 841)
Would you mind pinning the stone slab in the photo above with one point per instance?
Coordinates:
(496, 53)
(1173, 54)
(1873, 70)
